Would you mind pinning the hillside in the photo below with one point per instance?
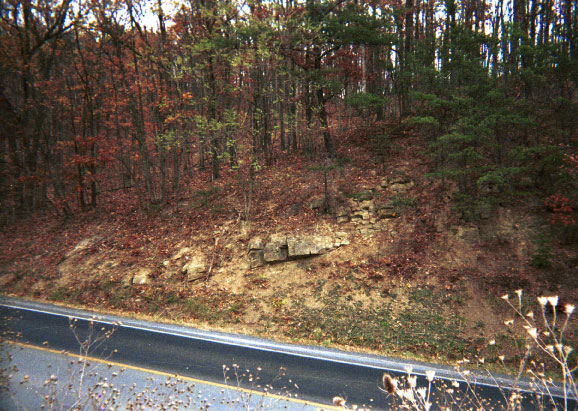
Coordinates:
(399, 271)
(393, 176)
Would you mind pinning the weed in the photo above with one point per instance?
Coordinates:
(109, 285)
(360, 196)
(402, 204)
(317, 334)
(426, 325)
(255, 381)
(198, 308)
(319, 287)
(202, 198)
(343, 161)
(542, 258)
(306, 265)
(547, 335)
(60, 294)
(236, 308)
(120, 298)
(172, 298)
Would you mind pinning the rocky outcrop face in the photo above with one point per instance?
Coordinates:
(282, 247)
(398, 183)
(369, 210)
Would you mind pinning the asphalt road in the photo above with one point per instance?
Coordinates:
(311, 373)
(41, 378)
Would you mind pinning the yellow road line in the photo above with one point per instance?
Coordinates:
(180, 377)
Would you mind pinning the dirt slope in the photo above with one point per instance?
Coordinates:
(420, 282)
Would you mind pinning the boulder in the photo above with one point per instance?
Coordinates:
(195, 267)
(142, 277)
(256, 258)
(256, 243)
(274, 252)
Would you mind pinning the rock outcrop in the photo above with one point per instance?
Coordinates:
(141, 277)
(192, 263)
(282, 247)
(368, 210)
(195, 267)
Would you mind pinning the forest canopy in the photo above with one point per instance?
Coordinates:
(93, 100)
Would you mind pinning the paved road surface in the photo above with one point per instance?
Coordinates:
(61, 381)
(314, 374)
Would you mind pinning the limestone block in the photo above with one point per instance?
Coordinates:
(367, 205)
(341, 238)
(343, 211)
(355, 219)
(256, 258)
(195, 267)
(352, 203)
(401, 187)
(365, 231)
(362, 214)
(256, 243)
(280, 239)
(142, 277)
(302, 247)
(386, 212)
(274, 252)
(398, 178)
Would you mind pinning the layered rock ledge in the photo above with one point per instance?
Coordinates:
(281, 247)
